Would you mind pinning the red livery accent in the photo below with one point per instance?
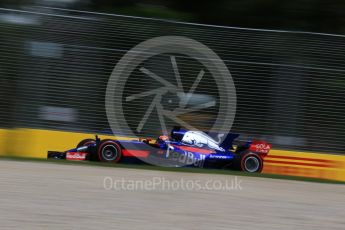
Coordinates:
(193, 149)
(135, 153)
(260, 147)
(76, 156)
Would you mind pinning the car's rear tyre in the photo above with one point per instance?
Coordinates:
(109, 151)
(85, 142)
(249, 162)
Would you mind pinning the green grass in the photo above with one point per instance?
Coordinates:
(168, 169)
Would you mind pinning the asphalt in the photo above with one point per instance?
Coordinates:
(42, 195)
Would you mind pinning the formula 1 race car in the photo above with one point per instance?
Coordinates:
(182, 149)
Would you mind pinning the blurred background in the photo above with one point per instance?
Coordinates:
(305, 15)
(288, 68)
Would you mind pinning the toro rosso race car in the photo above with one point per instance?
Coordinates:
(182, 149)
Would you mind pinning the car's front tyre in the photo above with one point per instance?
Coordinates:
(85, 142)
(109, 151)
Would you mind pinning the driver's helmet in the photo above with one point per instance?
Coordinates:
(163, 138)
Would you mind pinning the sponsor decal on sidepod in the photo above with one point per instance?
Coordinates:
(188, 158)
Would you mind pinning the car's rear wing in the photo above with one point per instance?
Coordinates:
(260, 147)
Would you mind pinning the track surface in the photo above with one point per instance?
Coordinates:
(36, 195)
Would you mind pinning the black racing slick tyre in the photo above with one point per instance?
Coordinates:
(109, 151)
(248, 162)
(85, 142)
